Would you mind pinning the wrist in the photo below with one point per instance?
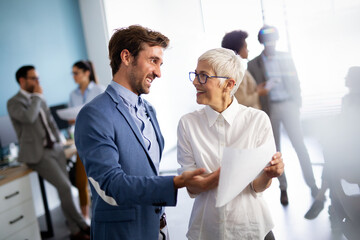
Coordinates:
(179, 182)
(36, 94)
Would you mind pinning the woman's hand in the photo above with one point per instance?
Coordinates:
(274, 169)
(276, 166)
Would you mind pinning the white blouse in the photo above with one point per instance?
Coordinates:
(92, 90)
(202, 137)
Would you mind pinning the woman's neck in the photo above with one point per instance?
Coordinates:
(83, 86)
(223, 105)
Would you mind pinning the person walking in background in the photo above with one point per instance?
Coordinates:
(120, 143)
(40, 146)
(88, 88)
(248, 92)
(202, 137)
(282, 101)
(340, 142)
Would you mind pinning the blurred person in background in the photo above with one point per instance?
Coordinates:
(339, 138)
(282, 102)
(248, 92)
(88, 88)
(40, 146)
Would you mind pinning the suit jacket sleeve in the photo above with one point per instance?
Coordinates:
(22, 112)
(115, 164)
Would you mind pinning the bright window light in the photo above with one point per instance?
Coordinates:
(323, 37)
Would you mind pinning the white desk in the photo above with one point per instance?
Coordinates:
(17, 214)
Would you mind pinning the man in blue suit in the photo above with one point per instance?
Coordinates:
(119, 141)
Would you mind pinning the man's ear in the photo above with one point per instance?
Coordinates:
(126, 57)
(229, 84)
(22, 81)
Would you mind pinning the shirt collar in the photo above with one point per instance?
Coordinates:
(26, 93)
(89, 87)
(267, 58)
(263, 56)
(229, 114)
(129, 98)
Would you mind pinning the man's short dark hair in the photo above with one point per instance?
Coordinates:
(268, 34)
(132, 38)
(234, 40)
(22, 72)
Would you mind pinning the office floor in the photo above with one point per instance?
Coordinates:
(290, 223)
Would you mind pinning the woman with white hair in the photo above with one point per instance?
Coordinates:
(202, 137)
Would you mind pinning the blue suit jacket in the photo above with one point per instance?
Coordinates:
(127, 193)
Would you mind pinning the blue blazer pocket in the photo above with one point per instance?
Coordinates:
(121, 215)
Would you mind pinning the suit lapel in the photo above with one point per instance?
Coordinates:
(261, 68)
(125, 113)
(23, 99)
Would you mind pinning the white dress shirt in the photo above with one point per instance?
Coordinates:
(202, 137)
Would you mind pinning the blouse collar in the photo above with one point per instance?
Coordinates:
(228, 114)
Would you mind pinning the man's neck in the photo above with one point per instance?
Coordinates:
(121, 78)
(269, 53)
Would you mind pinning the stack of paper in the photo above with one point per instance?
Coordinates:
(239, 167)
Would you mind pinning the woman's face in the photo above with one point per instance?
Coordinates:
(244, 52)
(80, 76)
(210, 93)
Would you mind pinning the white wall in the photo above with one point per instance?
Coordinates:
(193, 26)
(323, 36)
(96, 37)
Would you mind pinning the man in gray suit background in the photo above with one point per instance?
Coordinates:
(40, 146)
(276, 70)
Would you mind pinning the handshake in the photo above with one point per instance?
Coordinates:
(197, 181)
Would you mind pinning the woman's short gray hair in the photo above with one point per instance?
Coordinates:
(225, 63)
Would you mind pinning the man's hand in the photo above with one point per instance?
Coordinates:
(261, 90)
(38, 88)
(196, 181)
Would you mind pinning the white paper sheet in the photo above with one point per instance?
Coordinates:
(69, 113)
(239, 167)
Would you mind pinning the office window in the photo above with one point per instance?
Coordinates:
(322, 36)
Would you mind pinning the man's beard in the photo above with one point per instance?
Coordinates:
(29, 88)
(135, 84)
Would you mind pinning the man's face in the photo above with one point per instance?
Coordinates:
(31, 80)
(145, 68)
(270, 47)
